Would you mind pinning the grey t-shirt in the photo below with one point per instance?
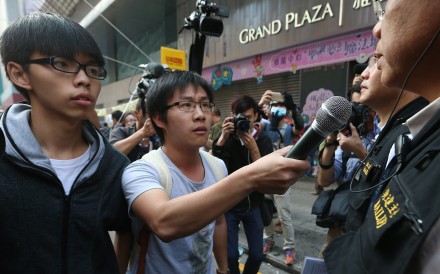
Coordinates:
(191, 254)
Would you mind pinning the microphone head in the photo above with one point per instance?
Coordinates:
(332, 116)
(154, 70)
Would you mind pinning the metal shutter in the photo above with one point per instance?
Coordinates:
(286, 81)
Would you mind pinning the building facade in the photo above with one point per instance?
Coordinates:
(305, 47)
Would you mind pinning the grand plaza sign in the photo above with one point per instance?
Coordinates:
(297, 19)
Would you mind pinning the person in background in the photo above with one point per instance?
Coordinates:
(216, 128)
(129, 120)
(357, 70)
(60, 180)
(354, 93)
(188, 224)
(137, 138)
(241, 143)
(281, 134)
(105, 130)
(117, 119)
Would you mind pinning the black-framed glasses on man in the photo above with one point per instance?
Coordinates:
(70, 65)
(190, 106)
(378, 9)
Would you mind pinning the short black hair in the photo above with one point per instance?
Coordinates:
(217, 111)
(47, 34)
(163, 90)
(243, 103)
(116, 115)
(354, 89)
(359, 68)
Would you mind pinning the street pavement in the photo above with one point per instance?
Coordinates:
(308, 236)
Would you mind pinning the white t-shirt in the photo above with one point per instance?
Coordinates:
(68, 170)
(191, 254)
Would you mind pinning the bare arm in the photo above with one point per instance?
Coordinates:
(126, 145)
(266, 98)
(184, 215)
(123, 244)
(220, 243)
(325, 175)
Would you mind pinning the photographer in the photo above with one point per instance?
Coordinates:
(136, 139)
(281, 134)
(341, 154)
(241, 143)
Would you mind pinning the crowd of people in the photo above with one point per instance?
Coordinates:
(176, 182)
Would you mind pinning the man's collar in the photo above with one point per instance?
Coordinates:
(419, 120)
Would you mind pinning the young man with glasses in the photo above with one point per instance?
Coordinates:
(400, 233)
(60, 180)
(188, 224)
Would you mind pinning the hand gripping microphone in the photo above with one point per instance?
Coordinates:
(332, 116)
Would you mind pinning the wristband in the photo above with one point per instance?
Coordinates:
(222, 272)
(335, 143)
(323, 166)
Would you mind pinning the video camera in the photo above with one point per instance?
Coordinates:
(200, 19)
(152, 71)
(241, 123)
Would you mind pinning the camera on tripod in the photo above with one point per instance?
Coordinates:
(200, 19)
(241, 123)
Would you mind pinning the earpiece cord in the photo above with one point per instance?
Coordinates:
(388, 124)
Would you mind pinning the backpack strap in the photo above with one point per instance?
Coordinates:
(214, 164)
(156, 159)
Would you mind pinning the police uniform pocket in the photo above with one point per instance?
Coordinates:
(392, 225)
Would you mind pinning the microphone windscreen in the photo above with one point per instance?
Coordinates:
(332, 116)
(154, 69)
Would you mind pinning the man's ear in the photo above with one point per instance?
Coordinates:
(136, 113)
(158, 121)
(18, 75)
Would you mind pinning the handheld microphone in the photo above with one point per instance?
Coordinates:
(332, 116)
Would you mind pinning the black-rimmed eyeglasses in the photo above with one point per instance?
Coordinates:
(190, 106)
(378, 10)
(70, 65)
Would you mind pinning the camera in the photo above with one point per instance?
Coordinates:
(241, 123)
(201, 21)
(132, 129)
(359, 112)
(152, 71)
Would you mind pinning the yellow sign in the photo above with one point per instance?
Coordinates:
(175, 59)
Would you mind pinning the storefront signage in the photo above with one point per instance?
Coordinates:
(294, 20)
(326, 52)
(175, 59)
(318, 13)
